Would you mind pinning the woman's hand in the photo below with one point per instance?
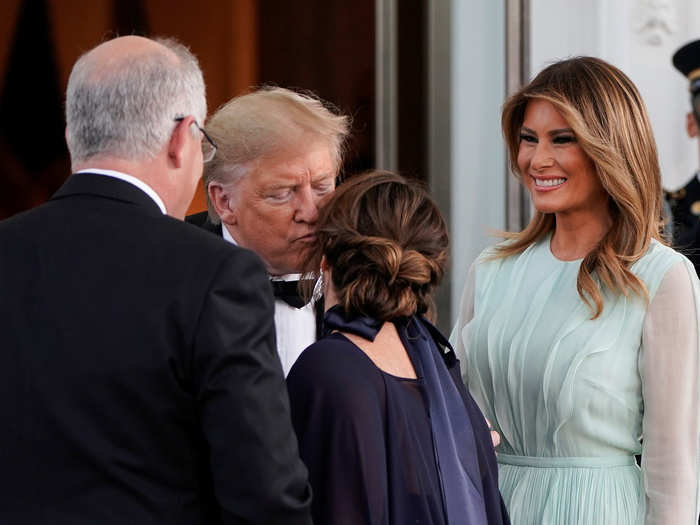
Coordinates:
(495, 436)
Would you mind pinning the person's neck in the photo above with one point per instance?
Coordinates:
(330, 298)
(149, 171)
(576, 234)
(140, 170)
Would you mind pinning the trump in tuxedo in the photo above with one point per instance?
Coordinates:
(279, 154)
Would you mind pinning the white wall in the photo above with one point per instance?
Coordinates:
(639, 37)
(478, 156)
(467, 156)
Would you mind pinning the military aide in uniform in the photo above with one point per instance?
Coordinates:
(685, 202)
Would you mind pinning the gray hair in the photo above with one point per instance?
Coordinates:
(127, 109)
(268, 122)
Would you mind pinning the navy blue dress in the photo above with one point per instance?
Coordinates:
(365, 436)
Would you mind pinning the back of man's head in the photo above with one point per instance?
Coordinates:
(123, 95)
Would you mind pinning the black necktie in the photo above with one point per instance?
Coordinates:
(288, 291)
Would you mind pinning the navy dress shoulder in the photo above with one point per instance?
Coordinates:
(365, 436)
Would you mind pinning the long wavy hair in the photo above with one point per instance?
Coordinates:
(609, 119)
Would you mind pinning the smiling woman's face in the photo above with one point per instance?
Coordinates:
(560, 176)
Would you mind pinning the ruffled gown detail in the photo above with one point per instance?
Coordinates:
(564, 391)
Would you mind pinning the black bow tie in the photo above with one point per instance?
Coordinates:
(288, 291)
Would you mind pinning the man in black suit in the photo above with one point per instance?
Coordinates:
(279, 154)
(140, 382)
(685, 202)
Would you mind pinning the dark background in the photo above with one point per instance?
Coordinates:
(326, 46)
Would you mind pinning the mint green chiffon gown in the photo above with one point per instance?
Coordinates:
(571, 397)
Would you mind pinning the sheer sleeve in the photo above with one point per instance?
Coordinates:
(465, 315)
(669, 371)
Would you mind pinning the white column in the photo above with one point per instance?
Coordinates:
(386, 70)
(467, 157)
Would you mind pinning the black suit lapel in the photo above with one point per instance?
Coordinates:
(107, 187)
(203, 221)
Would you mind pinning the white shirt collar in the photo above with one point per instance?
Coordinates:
(131, 180)
(295, 328)
(227, 235)
(288, 277)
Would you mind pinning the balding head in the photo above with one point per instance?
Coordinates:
(109, 58)
(124, 95)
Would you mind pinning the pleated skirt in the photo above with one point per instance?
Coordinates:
(572, 491)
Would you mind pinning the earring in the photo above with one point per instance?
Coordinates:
(319, 288)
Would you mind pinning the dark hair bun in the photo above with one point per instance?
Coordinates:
(386, 244)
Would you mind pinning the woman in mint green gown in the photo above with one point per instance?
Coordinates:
(578, 336)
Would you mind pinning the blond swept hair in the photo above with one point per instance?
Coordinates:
(609, 119)
(265, 123)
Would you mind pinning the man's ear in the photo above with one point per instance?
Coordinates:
(691, 125)
(178, 142)
(223, 203)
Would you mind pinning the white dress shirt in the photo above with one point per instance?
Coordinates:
(295, 328)
(131, 180)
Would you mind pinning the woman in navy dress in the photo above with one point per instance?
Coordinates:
(385, 426)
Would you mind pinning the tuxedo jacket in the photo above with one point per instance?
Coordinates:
(202, 220)
(139, 381)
